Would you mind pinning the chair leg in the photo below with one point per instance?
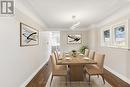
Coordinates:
(103, 78)
(51, 80)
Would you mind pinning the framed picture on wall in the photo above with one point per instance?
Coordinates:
(74, 38)
(28, 35)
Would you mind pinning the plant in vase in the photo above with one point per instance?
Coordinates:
(74, 53)
(82, 49)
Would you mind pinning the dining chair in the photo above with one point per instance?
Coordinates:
(96, 69)
(56, 54)
(91, 54)
(57, 70)
(86, 52)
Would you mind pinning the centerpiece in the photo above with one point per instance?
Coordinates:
(74, 53)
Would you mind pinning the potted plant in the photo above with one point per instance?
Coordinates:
(82, 49)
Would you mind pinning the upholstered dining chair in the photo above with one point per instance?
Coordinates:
(91, 54)
(57, 70)
(86, 52)
(96, 69)
(58, 55)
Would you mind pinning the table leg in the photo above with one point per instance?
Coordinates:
(76, 72)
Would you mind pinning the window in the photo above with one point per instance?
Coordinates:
(106, 36)
(115, 35)
(55, 40)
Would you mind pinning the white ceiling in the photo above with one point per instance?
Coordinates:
(58, 13)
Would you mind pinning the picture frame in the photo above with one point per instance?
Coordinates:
(74, 38)
(29, 36)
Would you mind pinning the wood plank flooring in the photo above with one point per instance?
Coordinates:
(111, 81)
(114, 80)
(59, 81)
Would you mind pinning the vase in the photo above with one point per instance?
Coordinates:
(74, 54)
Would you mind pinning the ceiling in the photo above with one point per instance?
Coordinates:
(58, 13)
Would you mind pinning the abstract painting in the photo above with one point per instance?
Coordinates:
(28, 35)
(74, 39)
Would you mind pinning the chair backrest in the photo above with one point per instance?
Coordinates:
(99, 58)
(56, 54)
(86, 52)
(91, 54)
(53, 61)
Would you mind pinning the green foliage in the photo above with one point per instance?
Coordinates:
(82, 49)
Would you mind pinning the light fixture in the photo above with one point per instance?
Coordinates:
(76, 23)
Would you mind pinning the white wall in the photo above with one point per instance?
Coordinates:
(116, 59)
(128, 64)
(92, 39)
(65, 47)
(18, 64)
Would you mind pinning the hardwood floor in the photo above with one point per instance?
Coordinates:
(111, 81)
(61, 82)
(114, 80)
(41, 78)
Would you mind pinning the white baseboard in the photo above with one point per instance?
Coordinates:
(124, 78)
(32, 75)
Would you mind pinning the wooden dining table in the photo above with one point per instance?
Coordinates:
(76, 65)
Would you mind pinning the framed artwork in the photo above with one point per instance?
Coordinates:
(74, 39)
(106, 35)
(28, 35)
(119, 33)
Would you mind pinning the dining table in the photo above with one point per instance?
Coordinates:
(76, 65)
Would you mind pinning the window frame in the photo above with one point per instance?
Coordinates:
(113, 43)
